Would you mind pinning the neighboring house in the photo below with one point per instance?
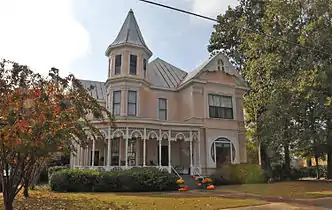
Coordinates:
(165, 117)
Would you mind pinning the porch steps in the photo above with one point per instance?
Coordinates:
(190, 182)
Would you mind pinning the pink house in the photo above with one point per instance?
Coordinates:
(179, 121)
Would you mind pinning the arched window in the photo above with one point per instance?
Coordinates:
(222, 151)
(221, 65)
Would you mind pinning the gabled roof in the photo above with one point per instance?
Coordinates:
(130, 34)
(199, 69)
(99, 90)
(163, 74)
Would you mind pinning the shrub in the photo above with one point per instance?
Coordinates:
(137, 180)
(52, 170)
(238, 174)
(296, 173)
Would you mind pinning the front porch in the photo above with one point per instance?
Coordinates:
(130, 147)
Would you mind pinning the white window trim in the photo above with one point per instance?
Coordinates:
(136, 64)
(111, 102)
(206, 99)
(121, 69)
(233, 141)
(167, 108)
(137, 101)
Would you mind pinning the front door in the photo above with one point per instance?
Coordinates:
(164, 155)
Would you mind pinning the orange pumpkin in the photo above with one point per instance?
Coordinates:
(199, 184)
(210, 187)
(196, 179)
(203, 181)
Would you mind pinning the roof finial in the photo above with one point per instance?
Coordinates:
(131, 10)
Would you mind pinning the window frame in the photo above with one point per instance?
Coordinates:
(131, 103)
(223, 110)
(165, 109)
(117, 69)
(116, 103)
(130, 64)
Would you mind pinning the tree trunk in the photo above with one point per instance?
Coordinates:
(329, 153)
(8, 199)
(287, 161)
(8, 204)
(26, 191)
(317, 167)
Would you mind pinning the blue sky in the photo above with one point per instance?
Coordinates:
(74, 34)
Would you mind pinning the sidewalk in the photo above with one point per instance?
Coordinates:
(279, 206)
(275, 202)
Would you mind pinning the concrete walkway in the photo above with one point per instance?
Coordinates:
(279, 206)
(274, 202)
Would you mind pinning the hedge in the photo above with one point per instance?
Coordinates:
(238, 174)
(54, 169)
(133, 180)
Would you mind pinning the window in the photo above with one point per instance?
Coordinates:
(221, 65)
(220, 106)
(222, 151)
(162, 108)
(117, 103)
(133, 64)
(144, 67)
(132, 103)
(118, 61)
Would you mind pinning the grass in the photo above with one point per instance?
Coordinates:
(291, 189)
(45, 199)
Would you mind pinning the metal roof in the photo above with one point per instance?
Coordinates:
(99, 90)
(163, 74)
(130, 33)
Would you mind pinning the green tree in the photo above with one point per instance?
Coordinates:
(274, 67)
(40, 116)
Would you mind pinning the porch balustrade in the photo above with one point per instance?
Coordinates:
(83, 160)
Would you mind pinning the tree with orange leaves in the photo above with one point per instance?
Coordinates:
(39, 116)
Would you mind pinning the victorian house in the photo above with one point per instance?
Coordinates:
(190, 122)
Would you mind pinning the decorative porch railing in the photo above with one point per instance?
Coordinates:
(120, 168)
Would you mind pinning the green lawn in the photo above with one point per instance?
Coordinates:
(295, 189)
(45, 199)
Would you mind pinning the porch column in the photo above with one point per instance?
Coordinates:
(191, 150)
(81, 156)
(93, 152)
(86, 156)
(169, 149)
(109, 148)
(120, 147)
(199, 148)
(160, 138)
(144, 148)
(126, 148)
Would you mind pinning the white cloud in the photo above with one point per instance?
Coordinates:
(41, 34)
(211, 8)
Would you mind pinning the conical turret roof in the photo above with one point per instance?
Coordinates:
(130, 34)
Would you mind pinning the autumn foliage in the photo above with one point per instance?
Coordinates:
(40, 116)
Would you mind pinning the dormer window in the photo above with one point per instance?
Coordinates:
(118, 62)
(133, 65)
(221, 65)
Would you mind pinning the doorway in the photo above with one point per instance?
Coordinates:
(164, 155)
(96, 159)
